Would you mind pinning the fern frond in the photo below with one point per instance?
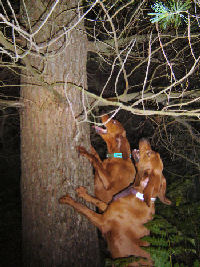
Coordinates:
(160, 256)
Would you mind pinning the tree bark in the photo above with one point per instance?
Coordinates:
(54, 235)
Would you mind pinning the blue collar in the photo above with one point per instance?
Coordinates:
(116, 155)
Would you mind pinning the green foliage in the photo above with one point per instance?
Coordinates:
(196, 263)
(166, 241)
(121, 262)
(172, 14)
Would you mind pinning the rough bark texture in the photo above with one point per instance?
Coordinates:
(55, 235)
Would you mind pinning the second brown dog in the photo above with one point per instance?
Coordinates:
(122, 223)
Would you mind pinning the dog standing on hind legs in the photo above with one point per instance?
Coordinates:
(122, 223)
(117, 171)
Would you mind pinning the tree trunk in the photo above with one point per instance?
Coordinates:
(54, 235)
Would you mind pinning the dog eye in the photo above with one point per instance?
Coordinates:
(114, 121)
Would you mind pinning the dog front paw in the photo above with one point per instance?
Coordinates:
(92, 150)
(81, 191)
(65, 199)
(81, 150)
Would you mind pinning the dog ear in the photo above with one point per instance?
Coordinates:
(151, 187)
(162, 192)
(156, 187)
(119, 141)
(123, 146)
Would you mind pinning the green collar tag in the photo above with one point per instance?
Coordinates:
(116, 155)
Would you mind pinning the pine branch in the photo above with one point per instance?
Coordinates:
(172, 14)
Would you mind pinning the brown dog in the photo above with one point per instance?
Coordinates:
(122, 223)
(117, 171)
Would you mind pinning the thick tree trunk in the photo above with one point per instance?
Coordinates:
(55, 235)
